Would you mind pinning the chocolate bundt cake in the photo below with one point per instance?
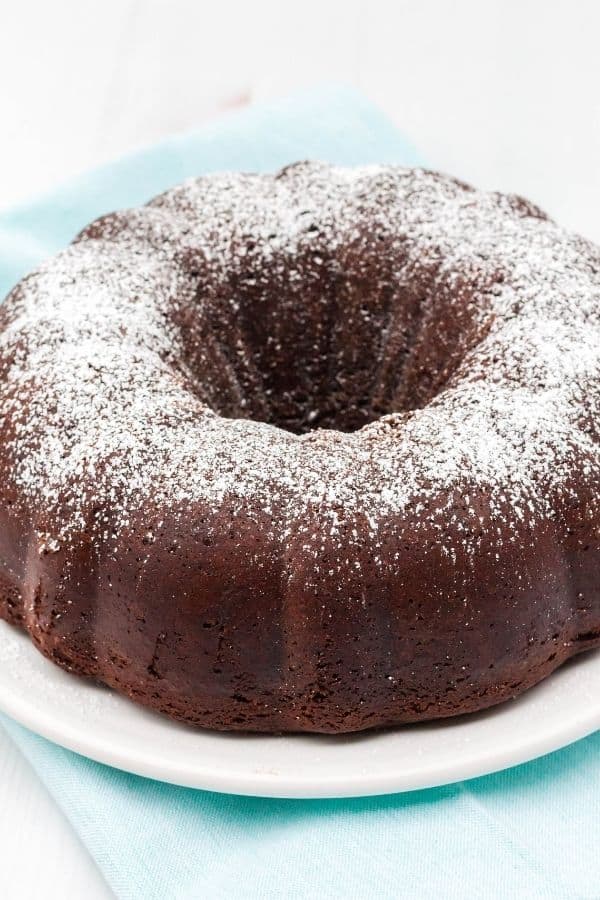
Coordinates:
(313, 451)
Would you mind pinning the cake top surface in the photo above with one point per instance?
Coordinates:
(151, 364)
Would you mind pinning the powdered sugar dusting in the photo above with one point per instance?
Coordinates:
(142, 366)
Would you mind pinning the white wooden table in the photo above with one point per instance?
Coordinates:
(503, 94)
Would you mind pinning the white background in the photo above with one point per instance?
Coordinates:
(504, 94)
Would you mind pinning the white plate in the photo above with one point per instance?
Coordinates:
(106, 727)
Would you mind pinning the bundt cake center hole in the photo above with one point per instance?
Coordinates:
(371, 371)
(343, 401)
(328, 349)
(333, 403)
(299, 413)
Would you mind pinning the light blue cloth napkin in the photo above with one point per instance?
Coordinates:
(529, 832)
